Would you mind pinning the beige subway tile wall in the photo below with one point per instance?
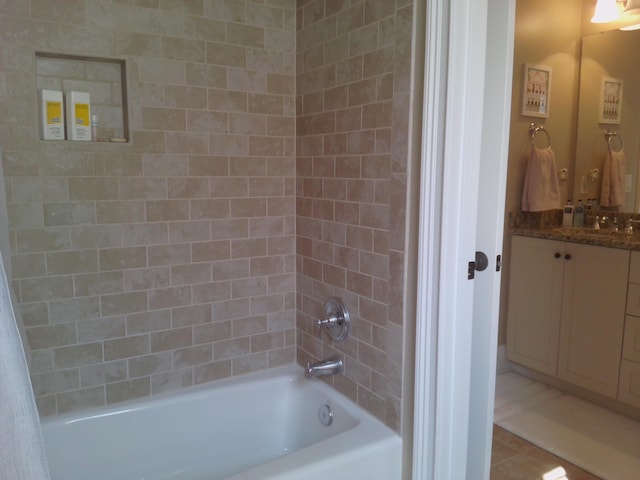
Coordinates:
(170, 260)
(353, 112)
(206, 245)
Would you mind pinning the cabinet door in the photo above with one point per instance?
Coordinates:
(631, 343)
(630, 383)
(593, 311)
(633, 299)
(535, 295)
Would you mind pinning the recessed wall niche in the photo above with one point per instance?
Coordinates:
(103, 78)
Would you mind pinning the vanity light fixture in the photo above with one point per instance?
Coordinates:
(611, 10)
(631, 7)
(629, 28)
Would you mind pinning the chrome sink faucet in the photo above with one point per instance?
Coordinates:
(628, 228)
(330, 366)
(603, 221)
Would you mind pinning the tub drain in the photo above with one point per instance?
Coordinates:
(325, 415)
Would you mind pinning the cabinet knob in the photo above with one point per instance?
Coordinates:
(557, 255)
(567, 256)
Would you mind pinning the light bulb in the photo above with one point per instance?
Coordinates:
(606, 11)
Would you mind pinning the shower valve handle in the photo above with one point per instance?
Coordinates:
(331, 320)
(335, 320)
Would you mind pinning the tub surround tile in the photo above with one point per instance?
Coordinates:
(146, 322)
(282, 356)
(51, 336)
(211, 292)
(46, 405)
(171, 340)
(146, 278)
(123, 303)
(98, 283)
(187, 143)
(108, 372)
(351, 166)
(34, 314)
(173, 254)
(267, 155)
(99, 329)
(125, 347)
(169, 297)
(212, 371)
(191, 315)
(80, 399)
(54, 382)
(249, 363)
(145, 365)
(197, 355)
(229, 349)
(74, 309)
(127, 390)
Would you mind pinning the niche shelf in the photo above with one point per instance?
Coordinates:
(103, 78)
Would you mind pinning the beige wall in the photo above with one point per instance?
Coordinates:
(353, 108)
(173, 260)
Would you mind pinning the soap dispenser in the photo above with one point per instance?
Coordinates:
(567, 214)
(578, 215)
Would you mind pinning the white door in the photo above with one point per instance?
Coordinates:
(468, 65)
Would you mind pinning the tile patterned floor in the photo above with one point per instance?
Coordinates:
(513, 458)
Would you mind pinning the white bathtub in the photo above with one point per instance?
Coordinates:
(260, 426)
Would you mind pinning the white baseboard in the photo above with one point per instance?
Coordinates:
(502, 364)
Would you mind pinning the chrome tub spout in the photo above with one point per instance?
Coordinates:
(330, 366)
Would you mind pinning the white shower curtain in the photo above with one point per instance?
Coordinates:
(22, 455)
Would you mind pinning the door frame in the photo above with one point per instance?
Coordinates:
(467, 41)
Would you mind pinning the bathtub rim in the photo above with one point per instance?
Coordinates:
(293, 371)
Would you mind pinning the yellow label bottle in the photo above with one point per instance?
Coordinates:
(78, 115)
(52, 115)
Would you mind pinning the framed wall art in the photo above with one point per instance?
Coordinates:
(536, 90)
(610, 101)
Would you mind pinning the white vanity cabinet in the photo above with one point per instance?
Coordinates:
(629, 388)
(567, 310)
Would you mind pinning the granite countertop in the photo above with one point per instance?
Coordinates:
(549, 225)
(589, 236)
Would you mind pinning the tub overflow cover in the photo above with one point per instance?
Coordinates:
(325, 415)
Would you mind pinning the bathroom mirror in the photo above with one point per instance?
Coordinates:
(610, 56)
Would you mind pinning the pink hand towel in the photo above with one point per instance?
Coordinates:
(541, 190)
(612, 192)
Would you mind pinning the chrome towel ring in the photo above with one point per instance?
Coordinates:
(608, 135)
(535, 130)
